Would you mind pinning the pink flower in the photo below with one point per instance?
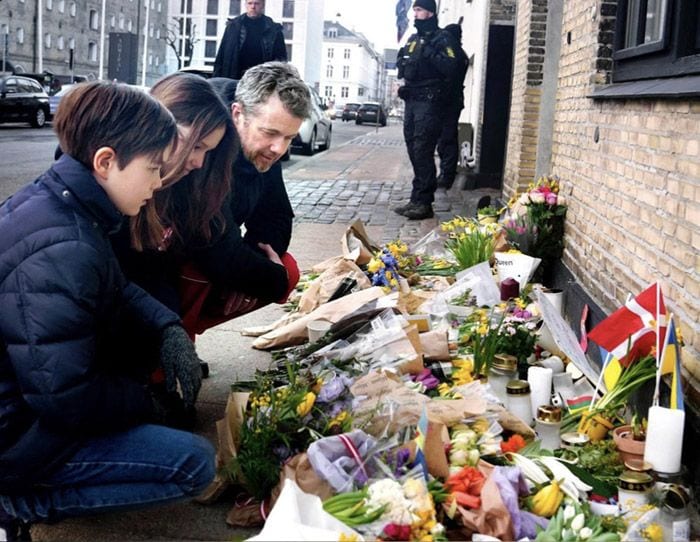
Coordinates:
(551, 198)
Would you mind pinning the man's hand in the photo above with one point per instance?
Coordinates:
(270, 253)
(180, 364)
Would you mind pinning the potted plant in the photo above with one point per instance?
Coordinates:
(630, 440)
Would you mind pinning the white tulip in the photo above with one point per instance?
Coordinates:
(578, 523)
(585, 533)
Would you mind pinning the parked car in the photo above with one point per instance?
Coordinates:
(338, 112)
(56, 98)
(316, 130)
(350, 111)
(371, 112)
(23, 99)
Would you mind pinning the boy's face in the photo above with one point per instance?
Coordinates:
(421, 14)
(266, 135)
(130, 188)
(254, 8)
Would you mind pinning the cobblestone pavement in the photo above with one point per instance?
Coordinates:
(364, 179)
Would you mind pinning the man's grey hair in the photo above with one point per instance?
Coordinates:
(264, 80)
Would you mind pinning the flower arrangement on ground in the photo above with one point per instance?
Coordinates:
(480, 334)
(469, 241)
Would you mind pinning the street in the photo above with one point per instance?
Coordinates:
(28, 152)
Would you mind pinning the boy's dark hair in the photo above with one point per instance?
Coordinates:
(103, 114)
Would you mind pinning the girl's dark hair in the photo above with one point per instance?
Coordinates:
(195, 105)
(103, 114)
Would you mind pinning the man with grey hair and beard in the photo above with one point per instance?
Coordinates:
(241, 273)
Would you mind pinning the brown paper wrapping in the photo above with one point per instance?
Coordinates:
(357, 245)
(328, 281)
(295, 332)
(434, 345)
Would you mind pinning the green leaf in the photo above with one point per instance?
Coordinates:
(599, 487)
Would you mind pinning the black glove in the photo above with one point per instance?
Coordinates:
(169, 409)
(180, 364)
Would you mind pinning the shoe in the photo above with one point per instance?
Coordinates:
(442, 182)
(418, 211)
(13, 529)
(402, 208)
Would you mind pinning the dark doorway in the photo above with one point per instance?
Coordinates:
(499, 71)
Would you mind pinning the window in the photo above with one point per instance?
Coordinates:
(288, 30)
(234, 7)
(47, 41)
(160, 8)
(346, 72)
(49, 5)
(329, 70)
(344, 92)
(328, 92)
(330, 52)
(346, 53)
(360, 91)
(59, 43)
(333, 32)
(210, 48)
(112, 21)
(61, 6)
(212, 7)
(92, 51)
(121, 22)
(288, 9)
(656, 38)
(150, 59)
(94, 20)
(71, 43)
(211, 27)
(129, 25)
(151, 31)
(158, 33)
(20, 35)
(71, 9)
(289, 50)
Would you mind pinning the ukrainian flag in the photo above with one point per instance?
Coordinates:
(671, 363)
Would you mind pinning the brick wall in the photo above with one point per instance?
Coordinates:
(501, 11)
(521, 154)
(630, 169)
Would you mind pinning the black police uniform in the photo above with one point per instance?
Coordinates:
(428, 63)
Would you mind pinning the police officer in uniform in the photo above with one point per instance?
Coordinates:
(428, 63)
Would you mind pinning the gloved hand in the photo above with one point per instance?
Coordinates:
(180, 364)
(168, 409)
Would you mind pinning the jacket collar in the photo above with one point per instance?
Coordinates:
(67, 174)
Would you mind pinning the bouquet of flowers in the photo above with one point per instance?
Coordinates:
(518, 333)
(480, 333)
(535, 221)
(469, 241)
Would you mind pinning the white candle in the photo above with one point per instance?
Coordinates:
(664, 439)
(540, 379)
(556, 298)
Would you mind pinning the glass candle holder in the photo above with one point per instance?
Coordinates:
(633, 490)
(518, 400)
(503, 369)
(548, 425)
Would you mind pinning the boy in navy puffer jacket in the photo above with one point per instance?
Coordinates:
(78, 431)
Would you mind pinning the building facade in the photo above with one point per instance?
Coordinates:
(351, 70)
(73, 37)
(197, 26)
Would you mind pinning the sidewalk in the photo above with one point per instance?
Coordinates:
(363, 179)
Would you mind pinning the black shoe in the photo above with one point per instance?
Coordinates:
(446, 183)
(418, 211)
(14, 529)
(402, 208)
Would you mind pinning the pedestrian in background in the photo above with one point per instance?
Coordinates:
(429, 63)
(448, 144)
(249, 39)
(78, 431)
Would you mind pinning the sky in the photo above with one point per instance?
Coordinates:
(376, 19)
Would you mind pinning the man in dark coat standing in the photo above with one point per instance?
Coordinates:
(250, 39)
(428, 63)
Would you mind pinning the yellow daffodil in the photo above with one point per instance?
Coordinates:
(339, 419)
(374, 265)
(653, 533)
(306, 404)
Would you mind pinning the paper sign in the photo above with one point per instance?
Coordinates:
(521, 267)
(565, 338)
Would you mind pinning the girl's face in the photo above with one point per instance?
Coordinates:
(176, 168)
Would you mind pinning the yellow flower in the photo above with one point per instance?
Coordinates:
(306, 404)
(348, 537)
(374, 265)
(339, 419)
(462, 376)
(653, 533)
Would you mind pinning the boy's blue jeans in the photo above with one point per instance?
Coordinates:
(143, 466)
